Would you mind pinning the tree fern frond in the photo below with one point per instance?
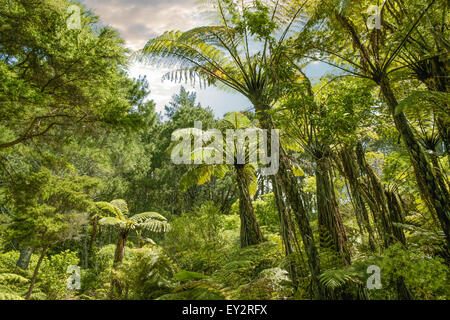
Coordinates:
(251, 179)
(12, 277)
(196, 176)
(237, 120)
(106, 209)
(112, 221)
(142, 217)
(336, 278)
(9, 296)
(122, 205)
(155, 226)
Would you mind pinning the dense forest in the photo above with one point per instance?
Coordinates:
(354, 204)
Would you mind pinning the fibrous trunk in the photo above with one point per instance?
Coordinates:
(331, 225)
(438, 198)
(250, 231)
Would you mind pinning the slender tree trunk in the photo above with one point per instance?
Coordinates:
(94, 232)
(374, 194)
(403, 292)
(291, 190)
(438, 81)
(330, 219)
(390, 210)
(427, 182)
(442, 179)
(35, 273)
(351, 172)
(250, 231)
(287, 231)
(24, 258)
(396, 215)
(120, 246)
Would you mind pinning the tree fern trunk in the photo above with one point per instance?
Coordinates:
(291, 190)
(94, 232)
(351, 173)
(427, 182)
(250, 231)
(329, 217)
(375, 197)
(120, 247)
(287, 231)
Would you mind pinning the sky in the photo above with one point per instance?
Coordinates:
(139, 20)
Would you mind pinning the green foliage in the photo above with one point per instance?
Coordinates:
(53, 275)
(425, 276)
(196, 241)
(185, 276)
(75, 129)
(147, 275)
(196, 290)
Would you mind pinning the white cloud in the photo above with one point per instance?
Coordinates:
(139, 20)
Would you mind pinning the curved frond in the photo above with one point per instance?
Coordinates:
(237, 120)
(154, 225)
(12, 277)
(112, 221)
(196, 176)
(106, 209)
(122, 205)
(194, 55)
(250, 179)
(142, 217)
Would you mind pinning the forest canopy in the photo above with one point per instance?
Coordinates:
(331, 188)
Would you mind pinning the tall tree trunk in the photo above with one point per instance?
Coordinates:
(374, 194)
(290, 187)
(94, 232)
(437, 80)
(351, 173)
(427, 182)
(329, 217)
(35, 273)
(390, 210)
(250, 231)
(120, 246)
(396, 215)
(24, 258)
(287, 230)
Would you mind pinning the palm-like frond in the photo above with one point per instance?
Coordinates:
(121, 205)
(106, 209)
(12, 277)
(193, 56)
(9, 296)
(237, 120)
(112, 221)
(142, 217)
(196, 176)
(154, 225)
(336, 278)
(251, 180)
